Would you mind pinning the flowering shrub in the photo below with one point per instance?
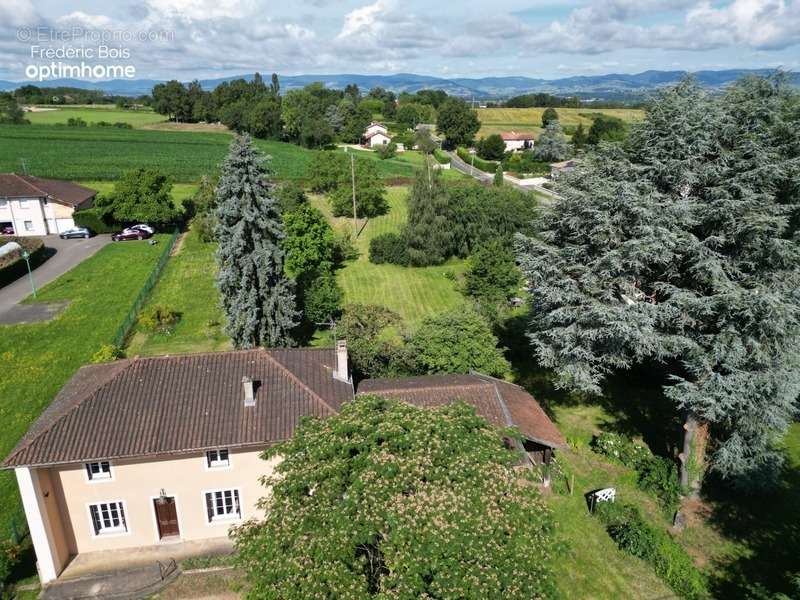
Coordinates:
(386, 500)
(621, 448)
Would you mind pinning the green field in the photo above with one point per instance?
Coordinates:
(529, 120)
(180, 191)
(99, 153)
(110, 114)
(413, 292)
(104, 154)
(43, 356)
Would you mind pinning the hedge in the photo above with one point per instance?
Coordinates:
(95, 220)
(487, 166)
(17, 269)
(672, 564)
(441, 157)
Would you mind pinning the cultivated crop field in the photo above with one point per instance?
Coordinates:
(111, 114)
(529, 120)
(100, 153)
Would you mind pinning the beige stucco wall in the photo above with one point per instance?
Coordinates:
(55, 210)
(136, 483)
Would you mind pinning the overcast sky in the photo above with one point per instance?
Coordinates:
(215, 38)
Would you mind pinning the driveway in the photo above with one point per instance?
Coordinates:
(69, 253)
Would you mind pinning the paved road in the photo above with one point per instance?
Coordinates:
(69, 253)
(460, 165)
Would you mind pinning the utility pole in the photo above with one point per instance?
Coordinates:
(353, 180)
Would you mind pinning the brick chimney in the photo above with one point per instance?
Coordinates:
(249, 396)
(342, 373)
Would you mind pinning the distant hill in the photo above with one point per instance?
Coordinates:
(611, 86)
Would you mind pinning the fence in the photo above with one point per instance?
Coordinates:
(17, 527)
(130, 319)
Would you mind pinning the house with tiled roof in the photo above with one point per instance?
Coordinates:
(143, 452)
(38, 206)
(376, 134)
(517, 141)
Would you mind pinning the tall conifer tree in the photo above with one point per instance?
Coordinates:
(428, 234)
(681, 247)
(258, 299)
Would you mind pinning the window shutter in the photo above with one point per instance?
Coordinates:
(236, 502)
(122, 516)
(89, 470)
(95, 518)
(210, 506)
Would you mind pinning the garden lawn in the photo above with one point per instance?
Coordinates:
(403, 165)
(111, 114)
(413, 292)
(529, 120)
(36, 360)
(187, 286)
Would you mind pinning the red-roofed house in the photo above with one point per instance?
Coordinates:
(517, 141)
(376, 135)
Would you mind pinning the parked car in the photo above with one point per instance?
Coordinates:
(7, 230)
(131, 234)
(75, 232)
(143, 227)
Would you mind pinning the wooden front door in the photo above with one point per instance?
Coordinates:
(166, 517)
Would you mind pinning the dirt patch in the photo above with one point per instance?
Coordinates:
(194, 127)
(219, 585)
(176, 248)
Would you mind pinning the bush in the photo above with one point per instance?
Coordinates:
(18, 268)
(659, 476)
(388, 248)
(476, 161)
(107, 353)
(205, 225)
(9, 556)
(159, 318)
(627, 527)
(344, 247)
(621, 448)
(492, 147)
(656, 475)
(76, 122)
(386, 151)
(441, 157)
(322, 299)
(96, 219)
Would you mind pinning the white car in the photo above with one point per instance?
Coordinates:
(143, 227)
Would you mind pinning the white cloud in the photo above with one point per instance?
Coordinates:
(16, 13)
(204, 9)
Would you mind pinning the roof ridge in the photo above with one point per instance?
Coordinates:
(484, 376)
(429, 388)
(298, 381)
(25, 180)
(70, 410)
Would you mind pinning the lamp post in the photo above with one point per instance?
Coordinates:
(27, 256)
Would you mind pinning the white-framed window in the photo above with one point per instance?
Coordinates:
(223, 505)
(108, 518)
(98, 471)
(23, 204)
(28, 225)
(218, 458)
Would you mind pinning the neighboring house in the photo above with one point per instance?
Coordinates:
(376, 135)
(142, 452)
(501, 403)
(37, 206)
(145, 451)
(516, 142)
(565, 166)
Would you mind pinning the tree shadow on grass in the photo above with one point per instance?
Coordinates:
(767, 523)
(634, 399)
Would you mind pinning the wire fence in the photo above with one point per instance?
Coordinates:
(17, 527)
(130, 319)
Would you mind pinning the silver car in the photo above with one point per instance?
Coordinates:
(76, 232)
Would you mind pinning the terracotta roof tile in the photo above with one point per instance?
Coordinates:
(499, 402)
(27, 186)
(174, 404)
